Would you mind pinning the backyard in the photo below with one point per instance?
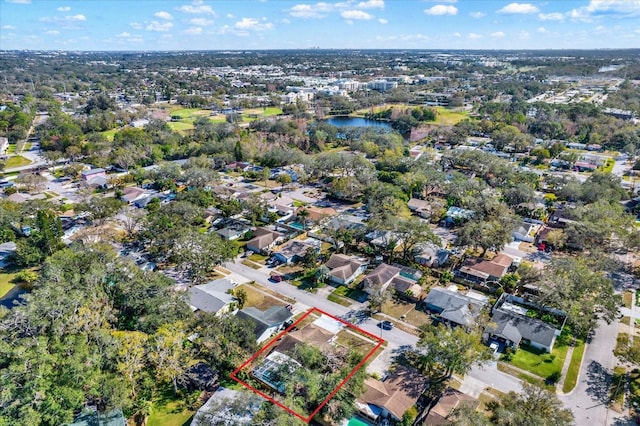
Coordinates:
(258, 299)
(169, 409)
(406, 311)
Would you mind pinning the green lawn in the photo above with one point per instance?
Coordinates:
(109, 134)
(191, 113)
(346, 296)
(447, 117)
(180, 126)
(6, 283)
(11, 149)
(16, 161)
(170, 410)
(542, 365)
(571, 378)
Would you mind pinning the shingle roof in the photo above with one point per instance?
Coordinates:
(455, 307)
(398, 393)
(265, 319)
(448, 402)
(382, 275)
(211, 297)
(343, 266)
(263, 238)
(510, 325)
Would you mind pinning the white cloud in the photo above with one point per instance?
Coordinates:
(518, 8)
(318, 10)
(136, 25)
(163, 15)
(383, 21)
(356, 14)
(478, 15)
(457, 34)
(197, 8)
(193, 30)
(64, 8)
(124, 35)
(497, 34)
(441, 9)
(64, 19)
(230, 15)
(52, 32)
(285, 21)
(475, 36)
(554, 16)
(542, 30)
(371, 4)
(252, 24)
(523, 34)
(19, 1)
(8, 27)
(200, 22)
(625, 7)
(158, 26)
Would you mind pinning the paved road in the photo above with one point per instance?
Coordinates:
(588, 400)
(396, 338)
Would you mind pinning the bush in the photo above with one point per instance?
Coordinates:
(554, 377)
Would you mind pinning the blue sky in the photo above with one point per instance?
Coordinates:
(292, 24)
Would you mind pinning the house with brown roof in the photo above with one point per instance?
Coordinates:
(419, 207)
(408, 288)
(132, 194)
(449, 401)
(380, 278)
(393, 397)
(264, 240)
(311, 335)
(316, 214)
(345, 269)
(486, 270)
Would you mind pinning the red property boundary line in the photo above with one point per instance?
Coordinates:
(233, 375)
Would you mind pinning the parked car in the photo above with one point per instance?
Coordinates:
(385, 325)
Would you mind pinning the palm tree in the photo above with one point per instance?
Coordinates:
(302, 214)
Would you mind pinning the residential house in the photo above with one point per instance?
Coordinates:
(264, 240)
(132, 194)
(380, 278)
(346, 221)
(212, 297)
(456, 214)
(87, 175)
(311, 335)
(455, 308)
(525, 231)
(317, 214)
(199, 376)
(393, 397)
(283, 207)
(450, 400)
(419, 207)
(234, 230)
(379, 238)
(229, 407)
(237, 166)
(265, 322)
(429, 254)
(294, 250)
(345, 269)
(385, 276)
(484, 271)
(511, 325)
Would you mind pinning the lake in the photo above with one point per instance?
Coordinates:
(346, 121)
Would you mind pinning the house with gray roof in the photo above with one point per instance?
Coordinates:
(294, 250)
(455, 308)
(265, 322)
(213, 297)
(228, 407)
(513, 329)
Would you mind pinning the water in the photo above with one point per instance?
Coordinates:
(346, 121)
(11, 296)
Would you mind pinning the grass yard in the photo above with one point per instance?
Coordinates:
(617, 390)
(346, 296)
(258, 258)
(447, 117)
(109, 134)
(351, 340)
(627, 298)
(542, 365)
(506, 368)
(571, 377)
(258, 299)
(634, 389)
(11, 149)
(397, 309)
(6, 282)
(16, 161)
(170, 410)
(190, 113)
(250, 264)
(180, 126)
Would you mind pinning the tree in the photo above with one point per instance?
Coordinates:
(322, 274)
(413, 232)
(443, 350)
(197, 254)
(241, 295)
(132, 356)
(303, 214)
(486, 234)
(534, 407)
(101, 208)
(169, 353)
(377, 298)
(283, 179)
(310, 258)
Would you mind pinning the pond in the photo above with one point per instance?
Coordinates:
(11, 296)
(346, 121)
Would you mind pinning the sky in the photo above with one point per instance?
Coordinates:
(290, 24)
